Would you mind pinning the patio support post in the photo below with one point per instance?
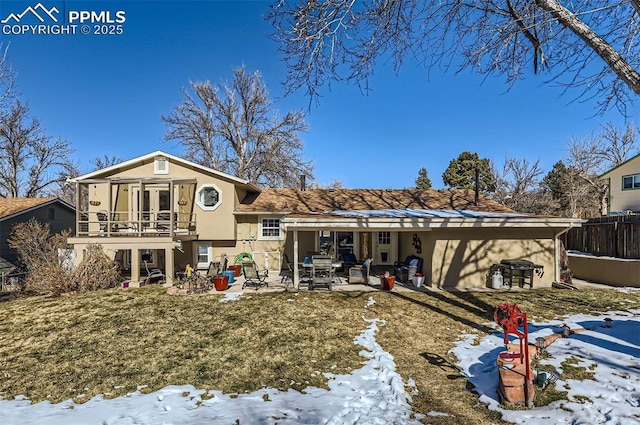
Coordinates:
(78, 212)
(169, 265)
(135, 264)
(172, 219)
(296, 268)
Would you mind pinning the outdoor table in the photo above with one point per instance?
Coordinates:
(308, 269)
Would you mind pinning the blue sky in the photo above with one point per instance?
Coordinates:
(106, 93)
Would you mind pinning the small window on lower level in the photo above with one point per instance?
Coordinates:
(270, 228)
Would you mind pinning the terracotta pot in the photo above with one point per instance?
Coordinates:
(237, 268)
(387, 282)
(221, 283)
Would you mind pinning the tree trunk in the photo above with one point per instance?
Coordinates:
(616, 62)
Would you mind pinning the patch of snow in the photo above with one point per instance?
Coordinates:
(612, 397)
(231, 296)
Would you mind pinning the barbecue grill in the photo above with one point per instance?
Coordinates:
(519, 271)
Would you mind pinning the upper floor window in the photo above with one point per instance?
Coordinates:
(270, 228)
(161, 165)
(631, 182)
(208, 197)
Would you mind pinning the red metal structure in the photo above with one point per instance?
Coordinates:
(510, 317)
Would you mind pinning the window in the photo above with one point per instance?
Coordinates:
(270, 228)
(52, 214)
(209, 197)
(384, 238)
(203, 254)
(631, 182)
(160, 165)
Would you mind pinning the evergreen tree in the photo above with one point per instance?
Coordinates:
(423, 181)
(461, 173)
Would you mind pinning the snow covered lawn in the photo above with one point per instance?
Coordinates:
(611, 354)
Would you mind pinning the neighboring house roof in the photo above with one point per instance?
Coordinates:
(10, 207)
(605, 174)
(313, 201)
(132, 162)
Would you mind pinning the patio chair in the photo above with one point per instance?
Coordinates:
(153, 275)
(405, 271)
(253, 276)
(360, 274)
(286, 271)
(322, 274)
(163, 221)
(102, 218)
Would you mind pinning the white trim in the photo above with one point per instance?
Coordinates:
(202, 265)
(152, 155)
(199, 202)
(281, 233)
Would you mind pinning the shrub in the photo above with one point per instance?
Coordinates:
(49, 261)
(96, 271)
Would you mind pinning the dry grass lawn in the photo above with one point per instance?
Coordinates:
(113, 341)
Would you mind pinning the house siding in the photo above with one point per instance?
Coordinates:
(623, 200)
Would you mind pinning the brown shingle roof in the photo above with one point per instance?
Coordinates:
(10, 206)
(322, 200)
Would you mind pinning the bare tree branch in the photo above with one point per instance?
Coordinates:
(592, 46)
(30, 161)
(234, 128)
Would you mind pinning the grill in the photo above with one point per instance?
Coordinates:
(518, 272)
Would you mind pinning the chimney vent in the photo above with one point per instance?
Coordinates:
(477, 187)
(303, 182)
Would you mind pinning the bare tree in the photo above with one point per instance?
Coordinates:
(7, 79)
(331, 184)
(30, 161)
(518, 185)
(234, 128)
(589, 45)
(617, 146)
(105, 161)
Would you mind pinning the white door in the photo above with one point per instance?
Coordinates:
(154, 199)
(204, 255)
(384, 246)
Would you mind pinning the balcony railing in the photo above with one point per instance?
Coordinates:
(147, 224)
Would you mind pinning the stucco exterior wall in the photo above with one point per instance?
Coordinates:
(461, 257)
(219, 224)
(611, 271)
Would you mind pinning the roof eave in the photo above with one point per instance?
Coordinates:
(429, 223)
(151, 155)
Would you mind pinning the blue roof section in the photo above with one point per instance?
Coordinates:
(420, 213)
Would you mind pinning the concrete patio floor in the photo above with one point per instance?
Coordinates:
(275, 284)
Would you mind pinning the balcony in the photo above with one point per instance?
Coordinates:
(148, 224)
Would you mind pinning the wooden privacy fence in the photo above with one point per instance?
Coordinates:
(614, 236)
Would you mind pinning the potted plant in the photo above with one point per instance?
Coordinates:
(238, 260)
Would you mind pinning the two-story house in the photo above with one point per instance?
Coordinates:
(624, 186)
(167, 212)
